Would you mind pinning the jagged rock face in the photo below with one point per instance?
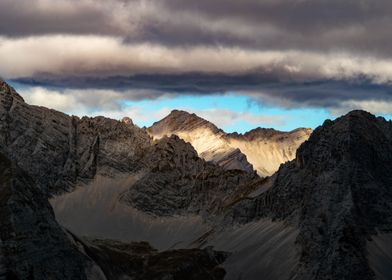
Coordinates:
(261, 149)
(179, 182)
(337, 192)
(58, 150)
(33, 245)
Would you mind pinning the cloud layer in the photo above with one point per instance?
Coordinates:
(331, 54)
(98, 55)
(356, 25)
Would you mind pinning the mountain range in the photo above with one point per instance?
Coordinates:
(96, 198)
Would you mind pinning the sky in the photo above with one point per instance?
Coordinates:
(240, 64)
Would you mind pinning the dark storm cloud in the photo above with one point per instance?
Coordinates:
(28, 18)
(321, 25)
(352, 25)
(265, 88)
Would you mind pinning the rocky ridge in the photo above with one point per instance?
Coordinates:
(337, 192)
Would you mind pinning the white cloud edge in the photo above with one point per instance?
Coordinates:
(106, 103)
(106, 55)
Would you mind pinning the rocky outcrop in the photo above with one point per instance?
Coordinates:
(140, 261)
(58, 150)
(261, 149)
(33, 245)
(179, 182)
(337, 192)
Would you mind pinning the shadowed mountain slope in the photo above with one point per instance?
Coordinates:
(338, 193)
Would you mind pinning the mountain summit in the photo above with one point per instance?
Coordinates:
(205, 137)
(262, 149)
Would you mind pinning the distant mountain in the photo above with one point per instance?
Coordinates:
(261, 149)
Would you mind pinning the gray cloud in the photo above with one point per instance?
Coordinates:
(25, 18)
(105, 55)
(354, 25)
(338, 96)
(325, 53)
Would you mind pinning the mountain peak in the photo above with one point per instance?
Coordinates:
(337, 193)
(127, 121)
(181, 112)
(7, 90)
(262, 149)
(357, 136)
(179, 120)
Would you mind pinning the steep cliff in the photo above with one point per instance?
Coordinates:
(338, 193)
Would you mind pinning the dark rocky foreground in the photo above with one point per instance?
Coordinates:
(141, 261)
(33, 245)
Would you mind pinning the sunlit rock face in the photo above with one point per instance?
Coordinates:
(260, 149)
(267, 149)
